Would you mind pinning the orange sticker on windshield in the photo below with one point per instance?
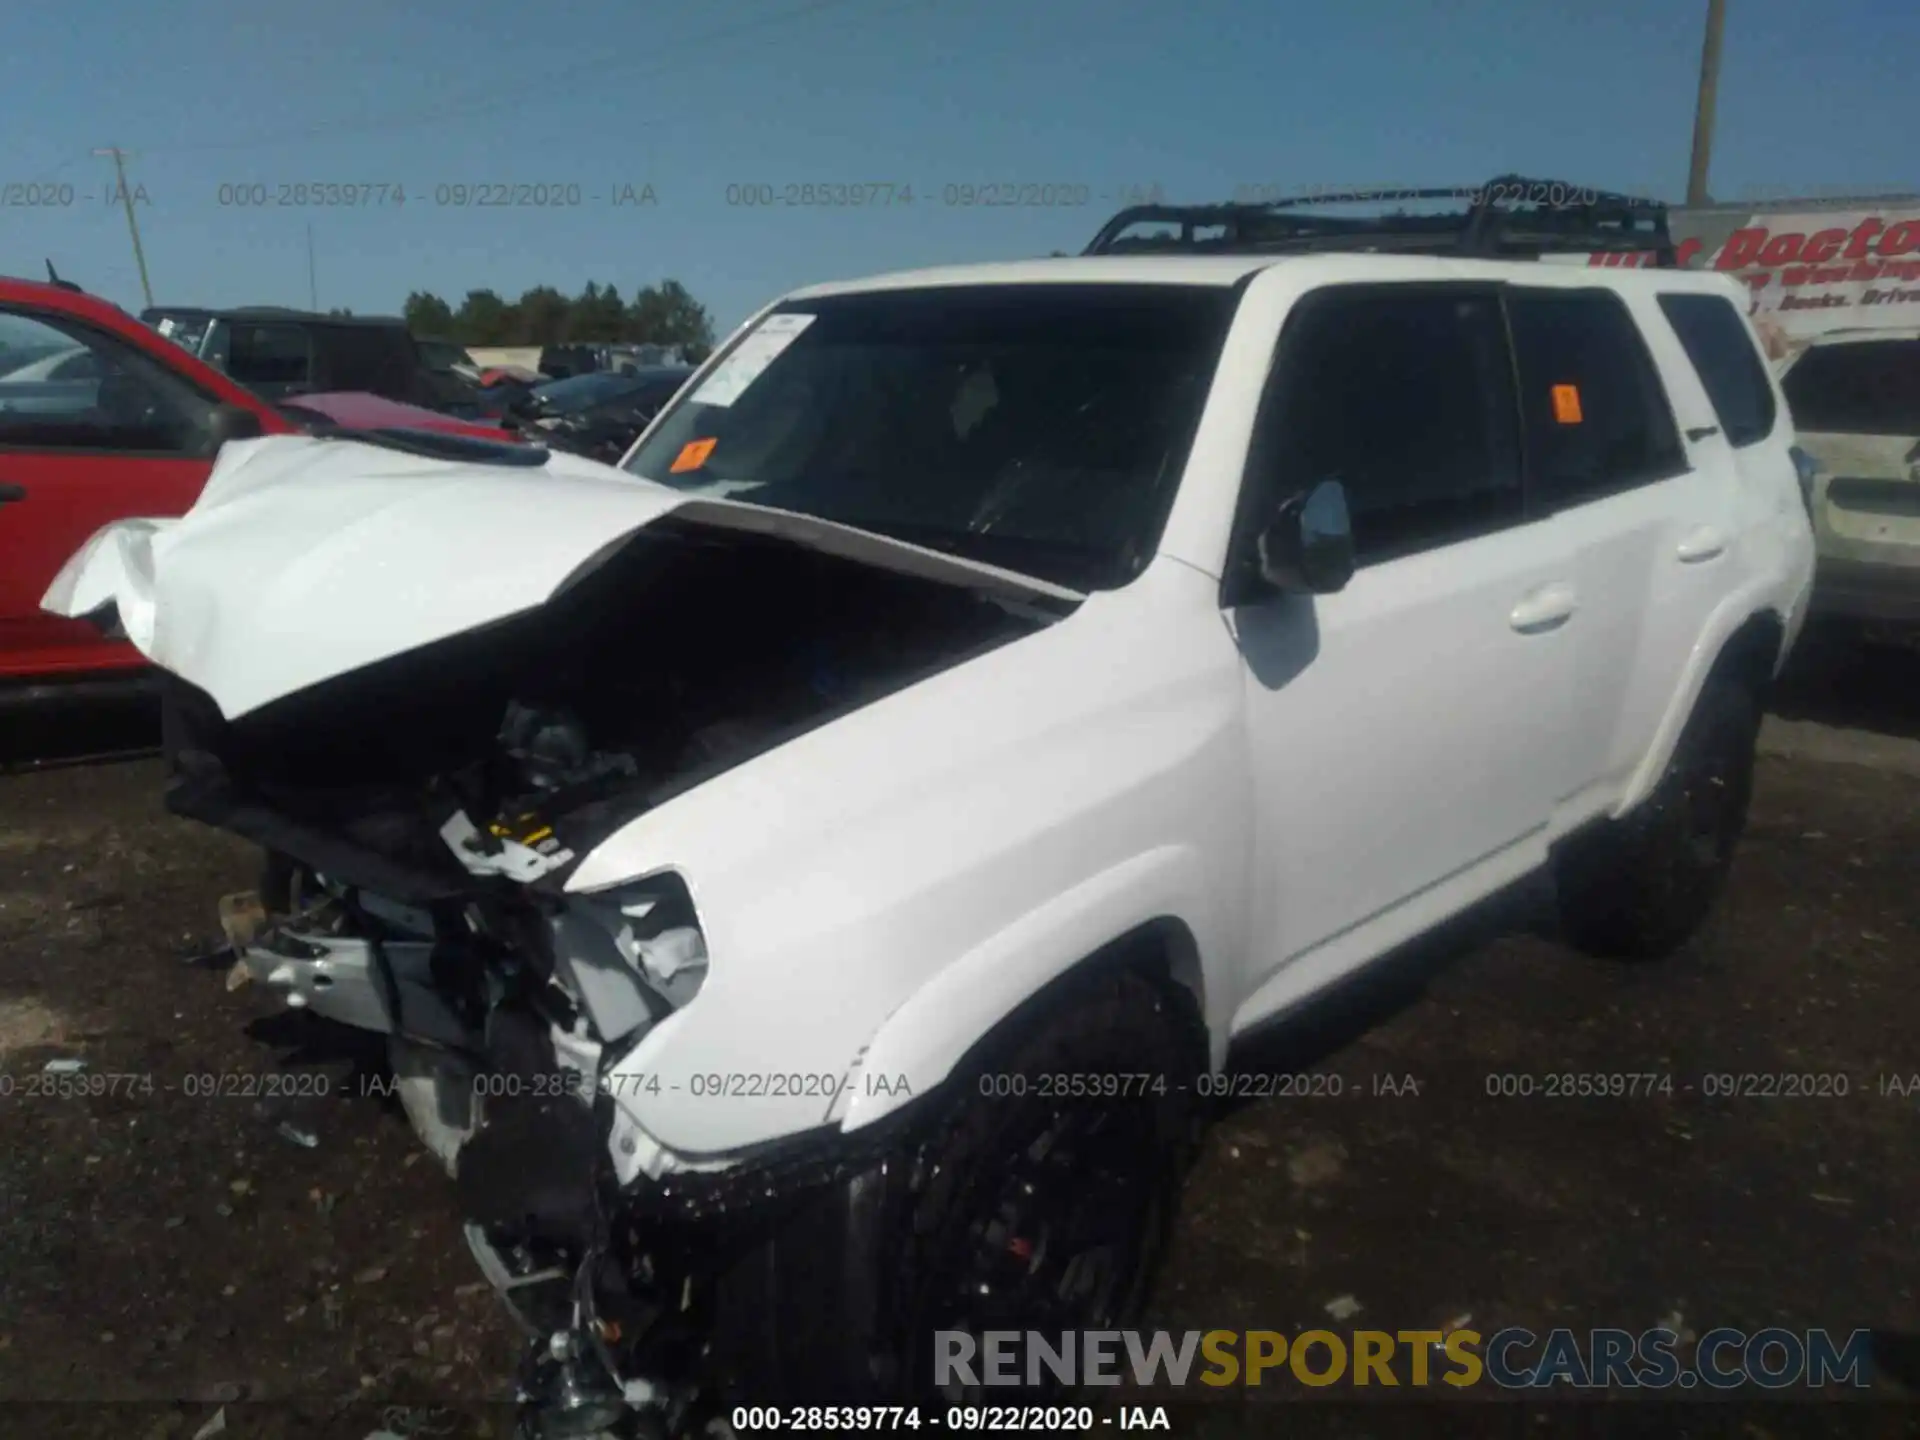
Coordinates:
(692, 456)
(1566, 404)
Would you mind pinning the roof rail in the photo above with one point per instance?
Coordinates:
(1511, 218)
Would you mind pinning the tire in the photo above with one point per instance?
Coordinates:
(1642, 887)
(846, 1301)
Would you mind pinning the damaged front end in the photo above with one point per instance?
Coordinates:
(428, 811)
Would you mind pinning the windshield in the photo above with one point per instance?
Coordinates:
(186, 328)
(442, 354)
(1041, 428)
(642, 398)
(580, 391)
(1862, 387)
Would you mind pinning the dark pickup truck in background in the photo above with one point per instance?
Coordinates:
(278, 353)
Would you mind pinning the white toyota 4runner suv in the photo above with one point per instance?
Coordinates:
(810, 877)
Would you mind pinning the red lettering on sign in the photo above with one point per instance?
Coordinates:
(1783, 248)
(1688, 249)
(1822, 246)
(1901, 238)
(1862, 233)
(1741, 247)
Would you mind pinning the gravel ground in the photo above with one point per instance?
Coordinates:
(180, 1253)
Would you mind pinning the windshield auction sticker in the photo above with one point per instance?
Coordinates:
(692, 456)
(750, 358)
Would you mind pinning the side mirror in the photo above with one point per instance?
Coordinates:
(1309, 546)
(231, 422)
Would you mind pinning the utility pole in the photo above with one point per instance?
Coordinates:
(313, 292)
(1703, 109)
(133, 225)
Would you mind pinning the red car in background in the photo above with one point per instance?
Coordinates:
(102, 418)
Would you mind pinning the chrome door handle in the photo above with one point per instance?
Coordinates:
(1544, 609)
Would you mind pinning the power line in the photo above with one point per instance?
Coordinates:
(64, 165)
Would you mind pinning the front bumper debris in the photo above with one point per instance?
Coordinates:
(385, 986)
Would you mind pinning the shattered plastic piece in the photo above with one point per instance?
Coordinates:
(1343, 1307)
(303, 1138)
(216, 1426)
(63, 1067)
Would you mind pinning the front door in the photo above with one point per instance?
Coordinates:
(1407, 732)
(91, 431)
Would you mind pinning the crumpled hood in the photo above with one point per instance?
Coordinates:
(306, 558)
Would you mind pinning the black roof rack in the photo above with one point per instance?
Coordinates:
(1509, 218)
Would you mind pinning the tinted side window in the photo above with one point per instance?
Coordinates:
(1407, 399)
(1722, 351)
(378, 359)
(272, 357)
(1597, 418)
(1865, 387)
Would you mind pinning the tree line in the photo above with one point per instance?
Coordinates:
(663, 314)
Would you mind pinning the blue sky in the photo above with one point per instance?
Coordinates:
(1197, 96)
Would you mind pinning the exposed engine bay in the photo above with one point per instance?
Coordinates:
(684, 654)
(425, 812)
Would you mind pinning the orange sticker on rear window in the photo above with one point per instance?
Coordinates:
(692, 456)
(1566, 404)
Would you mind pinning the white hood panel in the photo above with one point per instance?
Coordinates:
(307, 558)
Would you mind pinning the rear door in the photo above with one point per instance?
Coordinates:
(1406, 733)
(1642, 497)
(104, 433)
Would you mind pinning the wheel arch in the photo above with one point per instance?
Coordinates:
(1025, 969)
(1746, 641)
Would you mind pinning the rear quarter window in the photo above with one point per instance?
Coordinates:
(1722, 350)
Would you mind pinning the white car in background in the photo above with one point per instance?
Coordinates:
(1855, 398)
